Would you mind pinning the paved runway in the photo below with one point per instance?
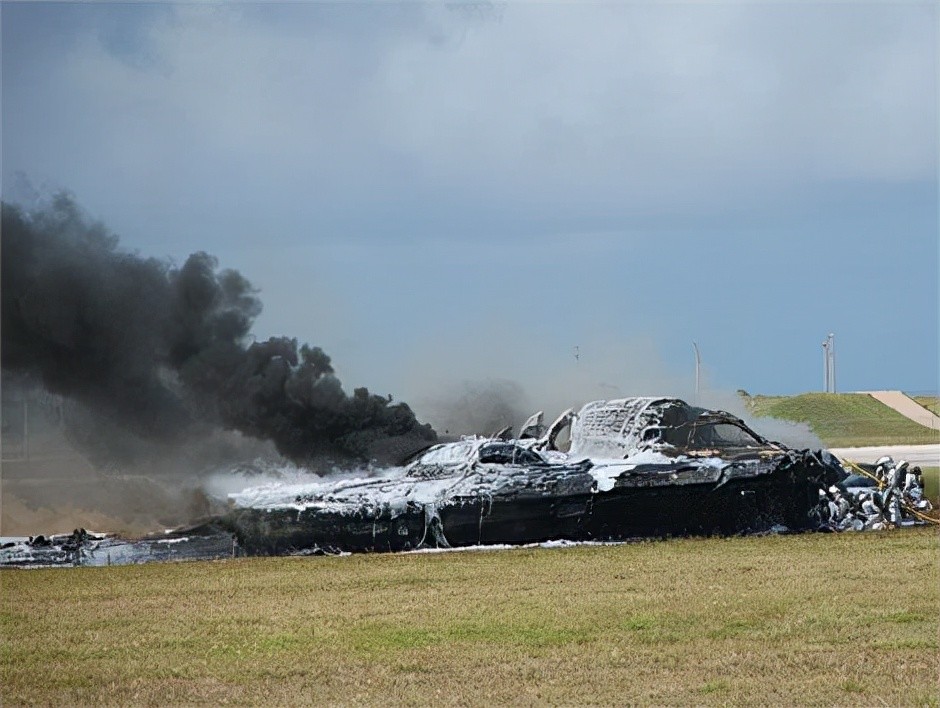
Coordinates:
(923, 455)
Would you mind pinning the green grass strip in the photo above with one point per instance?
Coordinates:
(845, 419)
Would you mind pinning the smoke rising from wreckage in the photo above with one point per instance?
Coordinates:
(636, 467)
(163, 354)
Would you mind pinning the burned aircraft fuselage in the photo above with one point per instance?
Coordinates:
(635, 468)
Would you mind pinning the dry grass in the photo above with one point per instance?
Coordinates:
(810, 619)
(931, 403)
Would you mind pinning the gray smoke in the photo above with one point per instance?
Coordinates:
(163, 353)
(537, 376)
(479, 407)
(790, 433)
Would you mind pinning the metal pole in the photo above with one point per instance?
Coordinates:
(698, 366)
(825, 349)
(832, 361)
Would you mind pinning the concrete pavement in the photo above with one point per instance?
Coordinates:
(921, 455)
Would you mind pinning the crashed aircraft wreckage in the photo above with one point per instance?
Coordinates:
(633, 467)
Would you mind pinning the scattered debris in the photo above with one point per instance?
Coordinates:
(83, 548)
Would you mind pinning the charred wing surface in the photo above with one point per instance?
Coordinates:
(641, 467)
(471, 504)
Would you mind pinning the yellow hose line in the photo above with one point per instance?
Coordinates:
(921, 516)
(860, 470)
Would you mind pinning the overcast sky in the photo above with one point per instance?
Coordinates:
(435, 193)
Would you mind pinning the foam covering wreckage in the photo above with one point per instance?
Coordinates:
(615, 470)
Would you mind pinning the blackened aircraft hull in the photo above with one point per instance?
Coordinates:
(557, 503)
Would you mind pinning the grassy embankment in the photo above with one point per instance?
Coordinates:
(931, 403)
(821, 619)
(853, 420)
(845, 419)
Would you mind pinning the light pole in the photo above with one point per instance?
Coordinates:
(698, 366)
(829, 364)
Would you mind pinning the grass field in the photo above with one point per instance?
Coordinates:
(931, 403)
(845, 419)
(849, 619)
(932, 485)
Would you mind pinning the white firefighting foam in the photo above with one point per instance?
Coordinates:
(395, 487)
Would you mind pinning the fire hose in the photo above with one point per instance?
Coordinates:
(907, 507)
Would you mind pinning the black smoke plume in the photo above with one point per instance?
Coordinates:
(165, 352)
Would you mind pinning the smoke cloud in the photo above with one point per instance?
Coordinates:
(535, 375)
(164, 354)
(479, 407)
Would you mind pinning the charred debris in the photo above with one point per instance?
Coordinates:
(615, 470)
